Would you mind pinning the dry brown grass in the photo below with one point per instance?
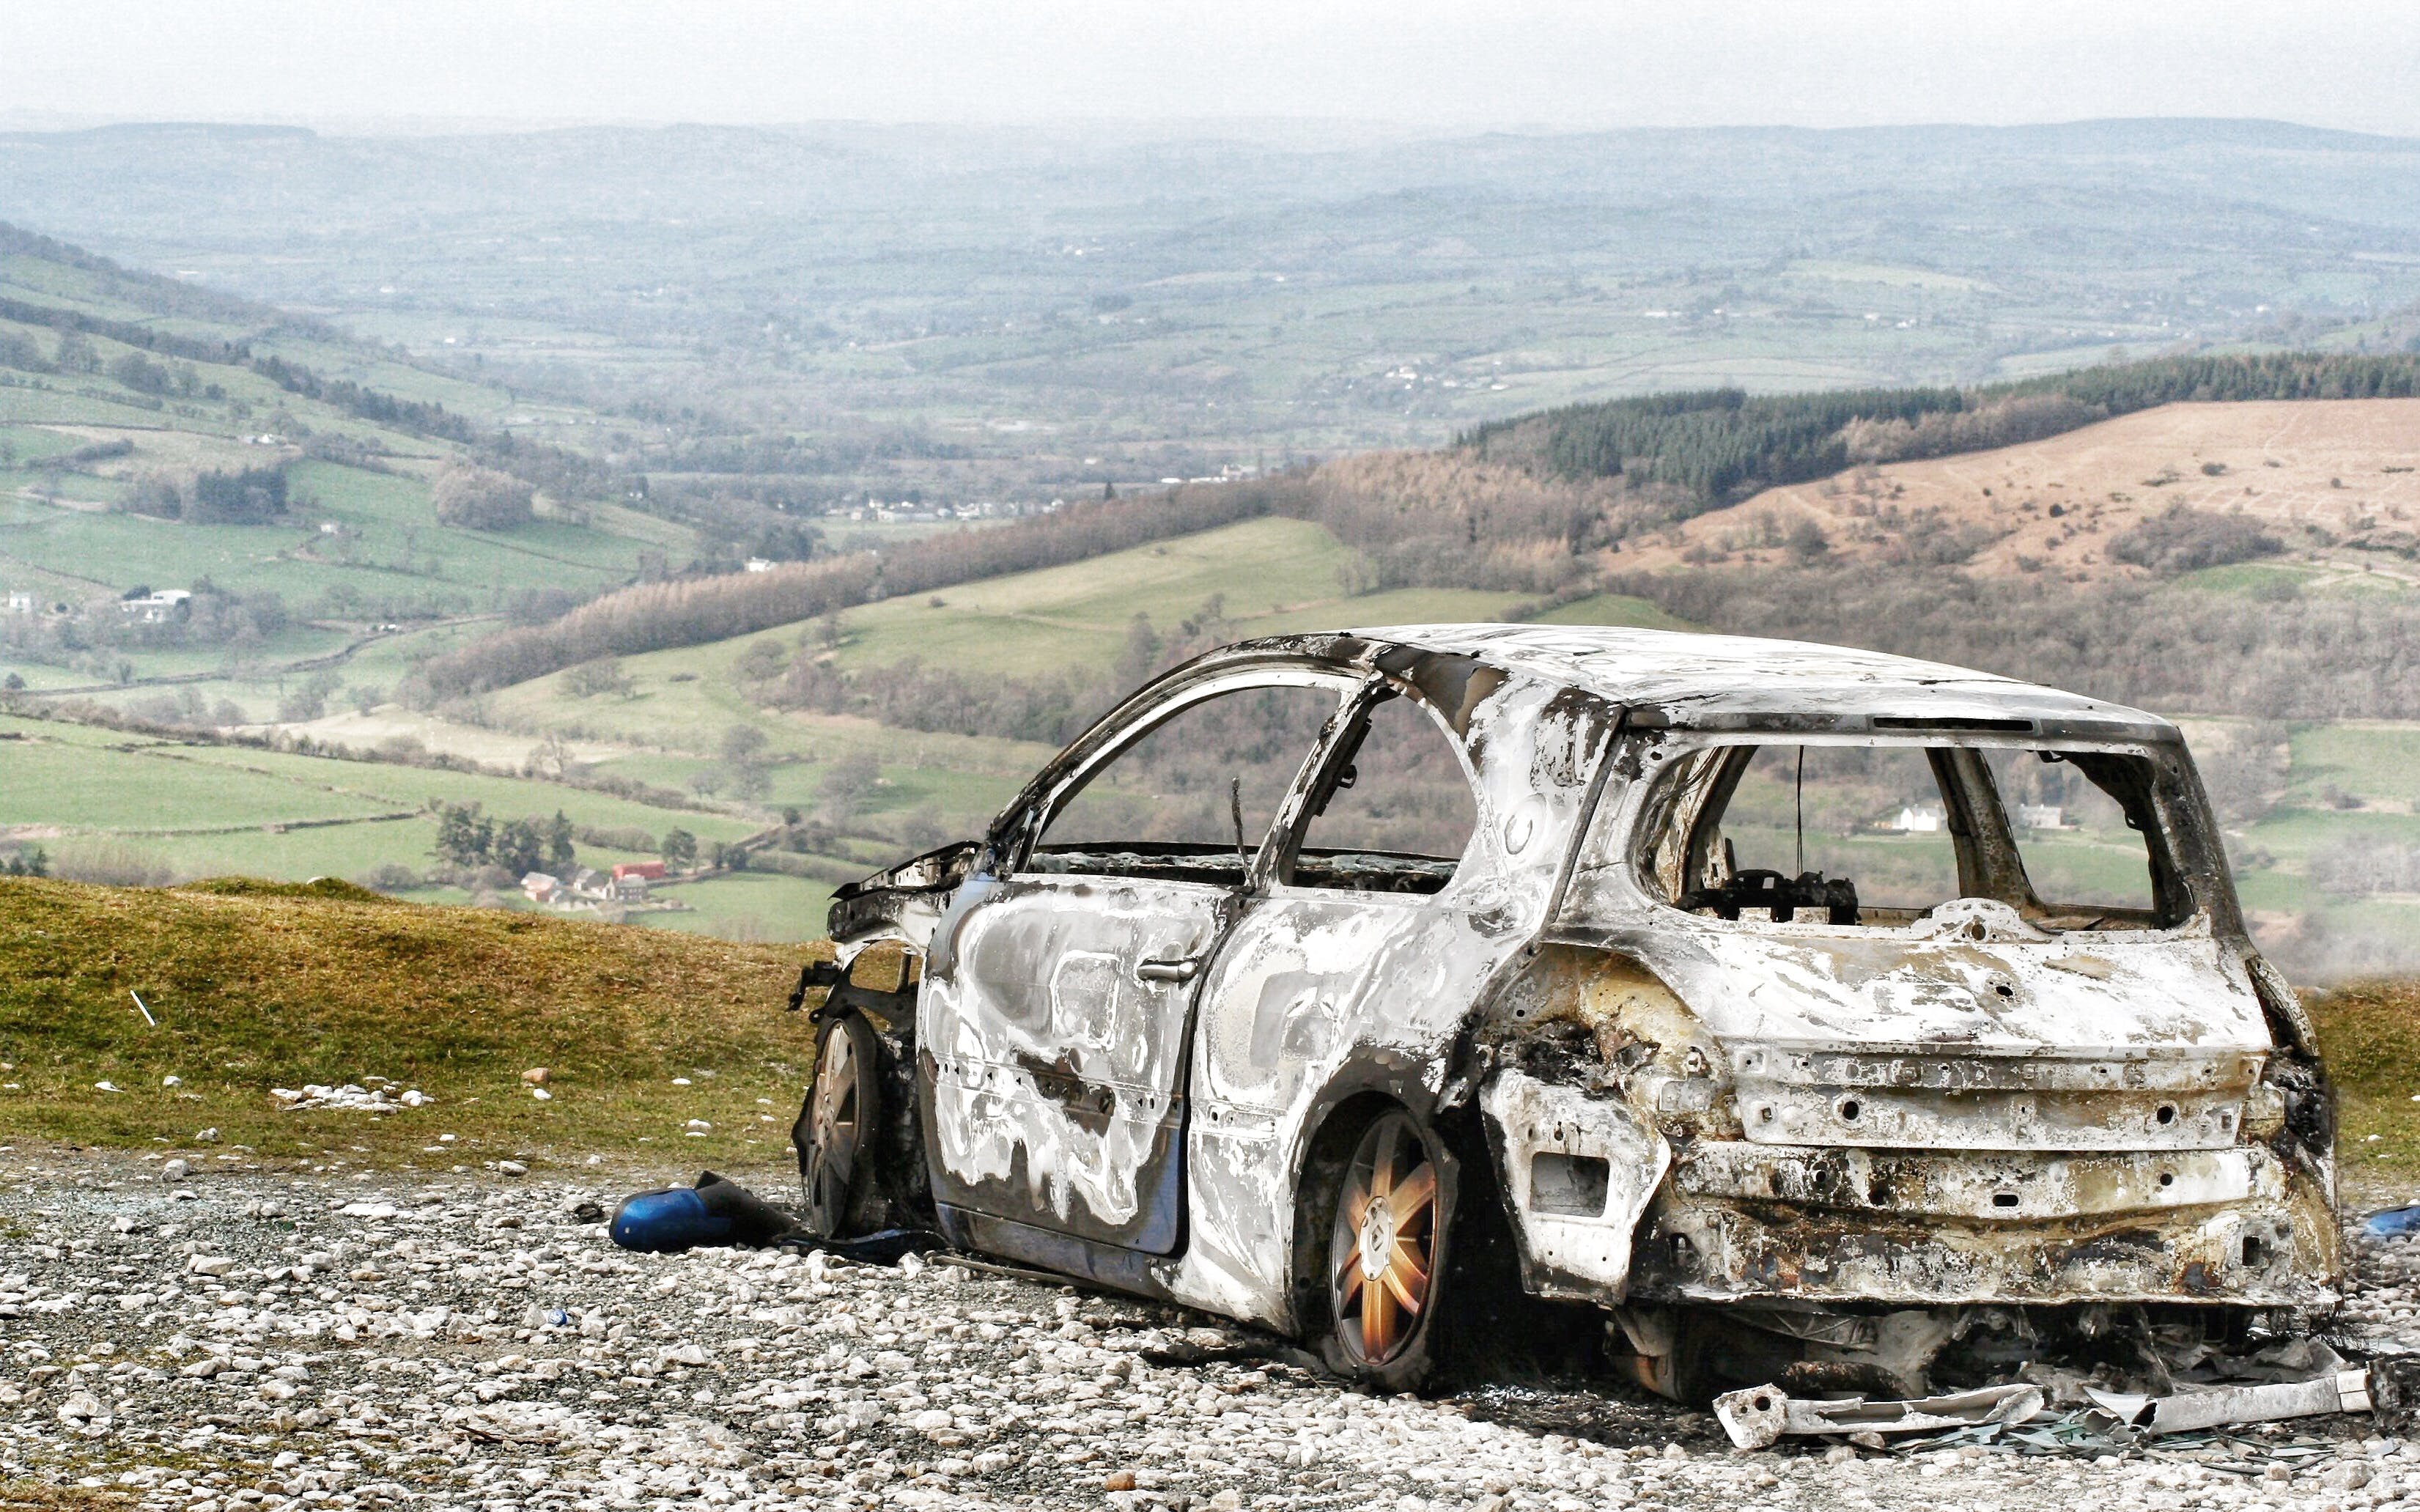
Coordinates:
(2370, 1033)
(265, 987)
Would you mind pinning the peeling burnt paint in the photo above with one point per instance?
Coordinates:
(1578, 1171)
(1988, 1104)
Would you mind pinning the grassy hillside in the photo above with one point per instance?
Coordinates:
(255, 987)
(1263, 577)
(252, 988)
(2329, 487)
(1260, 577)
(1266, 577)
(1713, 447)
(119, 387)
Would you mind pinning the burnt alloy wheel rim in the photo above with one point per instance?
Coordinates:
(835, 1125)
(1382, 1246)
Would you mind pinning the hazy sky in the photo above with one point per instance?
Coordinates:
(1442, 62)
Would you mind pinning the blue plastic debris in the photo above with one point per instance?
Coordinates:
(667, 1222)
(715, 1211)
(2393, 1223)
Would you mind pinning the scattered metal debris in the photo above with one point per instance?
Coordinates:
(2346, 1391)
(1760, 1416)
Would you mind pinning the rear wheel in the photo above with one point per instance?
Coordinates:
(836, 1130)
(1387, 1229)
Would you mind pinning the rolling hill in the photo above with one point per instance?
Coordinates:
(955, 694)
(832, 713)
(123, 392)
(2333, 485)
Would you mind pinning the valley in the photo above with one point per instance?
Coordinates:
(239, 530)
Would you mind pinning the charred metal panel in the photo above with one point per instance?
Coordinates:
(1995, 1187)
(904, 902)
(1055, 1058)
(2117, 995)
(1940, 1188)
(2260, 1252)
(1315, 994)
(1887, 1116)
(1734, 681)
(1578, 1171)
(1319, 993)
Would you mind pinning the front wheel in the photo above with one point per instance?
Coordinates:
(836, 1130)
(1385, 1246)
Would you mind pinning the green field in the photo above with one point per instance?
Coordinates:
(357, 545)
(191, 809)
(195, 809)
(391, 548)
(1264, 577)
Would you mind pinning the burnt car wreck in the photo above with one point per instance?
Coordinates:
(1806, 1016)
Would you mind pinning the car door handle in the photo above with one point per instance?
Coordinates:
(1169, 971)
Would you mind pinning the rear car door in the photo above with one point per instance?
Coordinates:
(1056, 1040)
(1362, 948)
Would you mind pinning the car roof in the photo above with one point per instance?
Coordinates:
(1717, 681)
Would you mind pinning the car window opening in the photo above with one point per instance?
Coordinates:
(1882, 835)
(1394, 812)
(1172, 803)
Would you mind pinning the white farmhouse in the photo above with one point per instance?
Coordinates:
(1920, 819)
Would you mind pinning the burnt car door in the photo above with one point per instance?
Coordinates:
(1365, 949)
(1053, 1030)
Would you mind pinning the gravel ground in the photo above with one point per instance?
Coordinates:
(224, 1340)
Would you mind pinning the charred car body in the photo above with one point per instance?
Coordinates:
(1799, 1008)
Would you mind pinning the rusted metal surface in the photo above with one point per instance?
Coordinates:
(1995, 1101)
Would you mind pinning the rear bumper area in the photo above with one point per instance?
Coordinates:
(1737, 1221)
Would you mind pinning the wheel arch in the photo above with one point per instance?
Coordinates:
(879, 987)
(1352, 1102)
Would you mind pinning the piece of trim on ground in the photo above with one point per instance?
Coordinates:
(2346, 1391)
(1759, 1416)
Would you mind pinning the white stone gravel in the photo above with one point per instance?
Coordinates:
(237, 1341)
